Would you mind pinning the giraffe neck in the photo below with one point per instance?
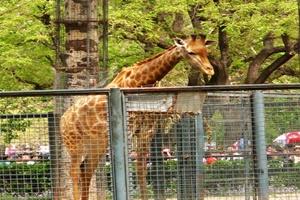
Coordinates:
(150, 70)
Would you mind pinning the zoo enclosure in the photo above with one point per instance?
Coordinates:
(229, 114)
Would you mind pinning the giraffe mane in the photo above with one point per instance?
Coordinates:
(156, 56)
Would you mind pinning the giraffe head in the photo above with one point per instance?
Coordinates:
(195, 51)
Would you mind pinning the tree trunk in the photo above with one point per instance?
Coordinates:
(82, 41)
(289, 49)
(77, 67)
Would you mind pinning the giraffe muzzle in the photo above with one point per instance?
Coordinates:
(209, 70)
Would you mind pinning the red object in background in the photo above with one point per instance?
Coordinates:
(288, 138)
(236, 145)
(293, 137)
(210, 160)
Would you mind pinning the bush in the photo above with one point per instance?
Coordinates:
(21, 179)
(34, 181)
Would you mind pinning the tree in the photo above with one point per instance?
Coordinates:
(257, 40)
(80, 59)
(77, 67)
(255, 37)
(255, 46)
(26, 45)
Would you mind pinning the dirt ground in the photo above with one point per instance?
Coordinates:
(289, 196)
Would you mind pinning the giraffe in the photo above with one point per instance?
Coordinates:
(84, 126)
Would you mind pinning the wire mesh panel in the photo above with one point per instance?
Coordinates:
(162, 133)
(231, 144)
(226, 151)
(25, 154)
(282, 114)
(86, 155)
(39, 156)
(229, 167)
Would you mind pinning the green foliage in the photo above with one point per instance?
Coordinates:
(217, 127)
(246, 24)
(31, 180)
(22, 179)
(282, 174)
(9, 127)
(25, 56)
(136, 28)
(279, 118)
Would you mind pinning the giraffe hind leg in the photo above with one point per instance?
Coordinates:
(88, 168)
(75, 175)
(142, 173)
(85, 180)
(86, 176)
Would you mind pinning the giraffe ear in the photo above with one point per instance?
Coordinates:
(179, 42)
(194, 37)
(208, 43)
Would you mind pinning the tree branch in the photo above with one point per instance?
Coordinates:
(290, 50)
(289, 46)
(224, 47)
(267, 51)
(256, 63)
(221, 73)
(270, 69)
(194, 16)
(36, 86)
(277, 63)
(283, 71)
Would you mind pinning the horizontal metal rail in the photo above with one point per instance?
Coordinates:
(100, 91)
(23, 116)
(210, 88)
(54, 92)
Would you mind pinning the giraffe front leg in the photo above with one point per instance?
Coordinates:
(95, 150)
(75, 175)
(144, 138)
(142, 173)
(88, 168)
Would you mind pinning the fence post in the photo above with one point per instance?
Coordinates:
(186, 148)
(54, 160)
(259, 147)
(247, 156)
(157, 168)
(199, 156)
(118, 145)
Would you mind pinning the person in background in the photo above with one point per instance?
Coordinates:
(166, 153)
(296, 154)
(209, 159)
(133, 155)
(229, 153)
(5, 160)
(11, 151)
(28, 158)
(273, 152)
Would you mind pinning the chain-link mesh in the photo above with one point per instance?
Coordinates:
(178, 145)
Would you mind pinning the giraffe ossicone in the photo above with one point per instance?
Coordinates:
(84, 126)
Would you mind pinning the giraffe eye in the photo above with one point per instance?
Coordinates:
(191, 53)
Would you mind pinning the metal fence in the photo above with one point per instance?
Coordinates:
(215, 142)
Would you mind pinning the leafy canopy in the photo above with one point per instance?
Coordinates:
(26, 48)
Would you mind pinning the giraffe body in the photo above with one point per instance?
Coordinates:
(84, 126)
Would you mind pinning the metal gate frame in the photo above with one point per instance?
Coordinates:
(119, 159)
(51, 133)
(119, 144)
